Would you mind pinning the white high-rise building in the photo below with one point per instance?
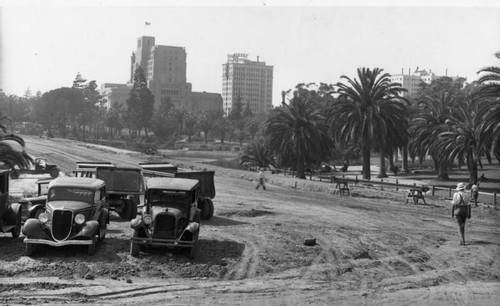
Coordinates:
(250, 80)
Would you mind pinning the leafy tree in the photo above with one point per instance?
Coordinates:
(190, 121)
(252, 126)
(140, 103)
(247, 113)
(221, 128)
(365, 111)
(236, 109)
(59, 107)
(114, 120)
(163, 125)
(298, 131)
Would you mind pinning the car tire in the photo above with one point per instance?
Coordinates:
(91, 247)
(205, 209)
(211, 209)
(194, 249)
(30, 249)
(16, 230)
(37, 213)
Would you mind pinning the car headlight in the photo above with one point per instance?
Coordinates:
(147, 219)
(79, 219)
(43, 217)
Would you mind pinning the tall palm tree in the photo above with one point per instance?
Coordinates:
(425, 127)
(467, 137)
(12, 149)
(490, 90)
(298, 131)
(366, 111)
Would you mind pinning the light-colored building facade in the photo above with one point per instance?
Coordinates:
(250, 80)
(114, 92)
(412, 81)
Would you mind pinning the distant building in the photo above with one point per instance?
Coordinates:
(411, 81)
(251, 80)
(114, 92)
(204, 101)
(165, 71)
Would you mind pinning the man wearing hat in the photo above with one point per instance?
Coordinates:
(461, 210)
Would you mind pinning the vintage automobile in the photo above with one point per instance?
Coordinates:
(206, 179)
(170, 216)
(75, 214)
(10, 214)
(41, 167)
(35, 205)
(124, 189)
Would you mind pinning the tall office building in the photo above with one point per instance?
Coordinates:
(250, 80)
(165, 70)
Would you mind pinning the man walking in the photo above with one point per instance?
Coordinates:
(262, 180)
(461, 210)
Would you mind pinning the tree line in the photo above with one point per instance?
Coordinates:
(453, 122)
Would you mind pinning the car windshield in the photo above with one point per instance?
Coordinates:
(71, 194)
(167, 198)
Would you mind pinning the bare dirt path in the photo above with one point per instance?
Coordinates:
(371, 249)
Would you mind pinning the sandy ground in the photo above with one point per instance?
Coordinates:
(371, 249)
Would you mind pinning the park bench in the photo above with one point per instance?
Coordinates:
(342, 187)
(416, 194)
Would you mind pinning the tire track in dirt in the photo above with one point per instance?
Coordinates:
(249, 262)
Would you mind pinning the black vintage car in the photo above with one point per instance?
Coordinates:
(10, 214)
(75, 214)
(170, 216)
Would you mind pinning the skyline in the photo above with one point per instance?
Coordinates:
(44, 47)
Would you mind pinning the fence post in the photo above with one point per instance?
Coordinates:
(495, 199)
(397, 187)
(433, 189)
(449, 192)
(381, 185)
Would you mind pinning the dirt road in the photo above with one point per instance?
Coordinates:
(371, 249)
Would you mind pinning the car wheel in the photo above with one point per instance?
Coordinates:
(205, 209)
(30, 249)
(135, 248)
(194, 248)
(91, 247)
(54, 173)
(16, 231)
(211, 209)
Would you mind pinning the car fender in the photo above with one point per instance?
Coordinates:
(33, 228)
(34, 208)
(89, 229)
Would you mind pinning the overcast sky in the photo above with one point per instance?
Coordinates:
(44, 44)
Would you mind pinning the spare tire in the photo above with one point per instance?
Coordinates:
(211, 208)
(14, 174)
(205, 209)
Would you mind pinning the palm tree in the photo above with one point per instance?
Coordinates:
(467, 136)
(298, 131)
(366, 111)
(257, 154)
(425, 128)
(9, 154)
(490, 90)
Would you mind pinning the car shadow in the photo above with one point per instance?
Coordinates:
(482, 242)
(220, 221)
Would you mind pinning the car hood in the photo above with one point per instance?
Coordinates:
(70, 205)
(173, 211)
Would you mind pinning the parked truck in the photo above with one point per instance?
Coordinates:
(206, 178)
(124, 185)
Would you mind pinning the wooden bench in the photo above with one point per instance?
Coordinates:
(415, 194)
(342, 187)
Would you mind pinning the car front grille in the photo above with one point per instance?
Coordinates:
(62, 221)
(165, 226)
